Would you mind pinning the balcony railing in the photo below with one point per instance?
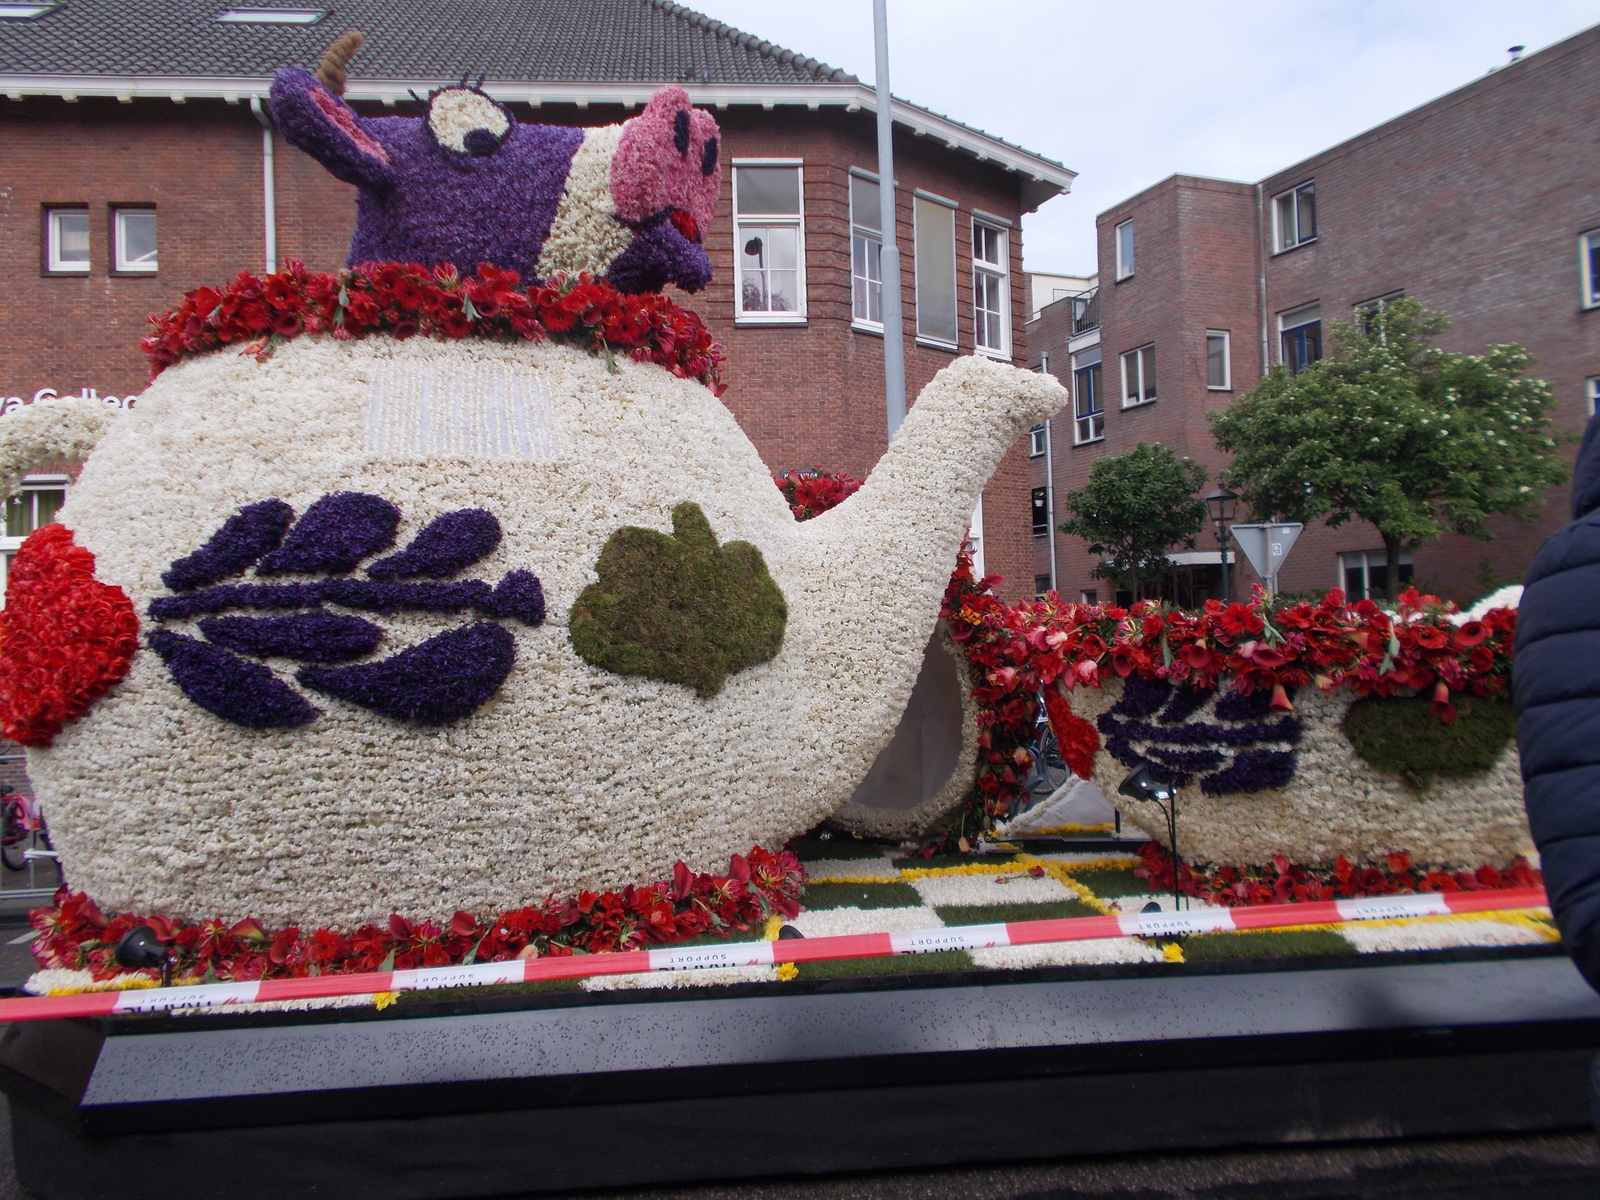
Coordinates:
(1086, 311)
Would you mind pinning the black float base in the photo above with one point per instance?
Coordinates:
(496, 1095)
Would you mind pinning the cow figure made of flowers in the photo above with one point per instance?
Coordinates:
(445, 581)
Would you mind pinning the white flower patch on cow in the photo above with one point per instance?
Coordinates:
(569, 777)
(586, 235)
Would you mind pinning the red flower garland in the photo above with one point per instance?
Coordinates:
(65, 638)
(1283, 882)
(75, 935)
(404, 299)
(812, 493)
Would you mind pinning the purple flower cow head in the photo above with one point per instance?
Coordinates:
(465, 183)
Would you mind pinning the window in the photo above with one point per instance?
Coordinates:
(1089, 596)
(135, 236)
(1041, 512)
(1124, 233)
(1036, 441)
(1589, 267)
(1369, 313)
(1139, 376)
(991, 298)
(1218, 367)
(769, 236)
(25, 12)
(1088, 404)
(271, 16)
(936, 271)
(975, 536)
(866, 252)
(1364, 575)
(1592, 388)
(1295, 216)
(1041, 586)
(66, 240)
(35, 505)
(1300, 337)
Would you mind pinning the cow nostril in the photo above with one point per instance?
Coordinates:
(481, 142)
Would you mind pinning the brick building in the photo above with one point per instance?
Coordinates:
(1483, 204)
(139, 162)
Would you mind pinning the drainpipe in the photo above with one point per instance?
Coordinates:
(1261, 275)
(269, 194)
(1050, 496)
(894, 344)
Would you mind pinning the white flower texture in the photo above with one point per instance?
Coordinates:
(1336, 804)
(586, 235)
(570, 777)
(1440, 933)
(456, 112)
(843, 922)
(703, 977)
(67, 428)
(1015, 887)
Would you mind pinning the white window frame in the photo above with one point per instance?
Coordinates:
(120, 263)
(1089, 596)
(1088, 426)
(975, 536)
(1281, 236)
(52, 235)
(1368, 560)
(1227, 361)
(1000, 274)
(1143, 396)
(937, 202)
(10, 545)
(1592, 387)
(1036, 440)
(1124, 262)
(870, 236)
(1588, 251)
(796, 220)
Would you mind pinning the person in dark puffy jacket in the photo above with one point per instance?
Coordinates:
(1556, 689)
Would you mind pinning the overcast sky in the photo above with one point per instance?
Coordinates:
(1129, 92)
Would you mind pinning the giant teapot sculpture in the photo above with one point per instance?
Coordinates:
(424, 626)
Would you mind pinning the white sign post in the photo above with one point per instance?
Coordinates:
(1266, 546)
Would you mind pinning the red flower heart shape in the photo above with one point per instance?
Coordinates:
(65, 637)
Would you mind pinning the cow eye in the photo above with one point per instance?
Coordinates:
(466, 121)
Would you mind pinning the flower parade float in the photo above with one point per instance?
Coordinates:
(425, 677)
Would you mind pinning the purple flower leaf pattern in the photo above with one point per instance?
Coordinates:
(255, 530)
(227, 686)
(444, 679)
(334, 534)
(309, 637)
(1176, 748)
(445, 545)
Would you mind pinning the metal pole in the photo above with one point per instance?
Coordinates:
(894, 346)
(1050, 495)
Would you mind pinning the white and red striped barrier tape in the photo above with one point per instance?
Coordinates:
(766, 954)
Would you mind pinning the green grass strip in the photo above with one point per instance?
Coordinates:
(838, 846)
(860, 895)
(898, 964)
(1110, 882)
(1263, 943)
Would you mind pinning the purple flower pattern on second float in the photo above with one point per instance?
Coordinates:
(443, 679)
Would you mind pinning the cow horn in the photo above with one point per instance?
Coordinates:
(330, 71)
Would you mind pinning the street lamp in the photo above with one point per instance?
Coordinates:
(1222, 503)
(1141, 784)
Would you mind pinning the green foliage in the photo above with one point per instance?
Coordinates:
(1004, 914)
(678, 607)
(1136, 507)
(860, 895)
(1400, 735)
(1389, 430)
(1111, 882)
(1265, 943)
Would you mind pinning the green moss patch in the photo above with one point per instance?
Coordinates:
(678, 607)
(1003, 914)
(897, 964)
(839, 846)
(1290, 943)
(492, 989)
(860, 895)
(1401, 736)
(1109, 883)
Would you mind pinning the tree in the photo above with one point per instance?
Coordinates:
(1135, 507)
(1390, 430)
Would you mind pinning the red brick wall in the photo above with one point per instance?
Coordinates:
(804, 395)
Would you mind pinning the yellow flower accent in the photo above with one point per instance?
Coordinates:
(774, 924)
(1063, 829)
(787, 971)
(385, 999)
(1536, 919)
(1172, 952)
(1062, 874)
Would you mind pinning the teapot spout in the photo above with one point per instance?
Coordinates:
(882, 559)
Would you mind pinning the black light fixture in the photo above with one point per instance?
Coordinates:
(787, 933)
(141, 950)
(1222, 503)
(1141, 784)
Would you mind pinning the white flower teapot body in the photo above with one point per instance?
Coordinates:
(452, 748)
